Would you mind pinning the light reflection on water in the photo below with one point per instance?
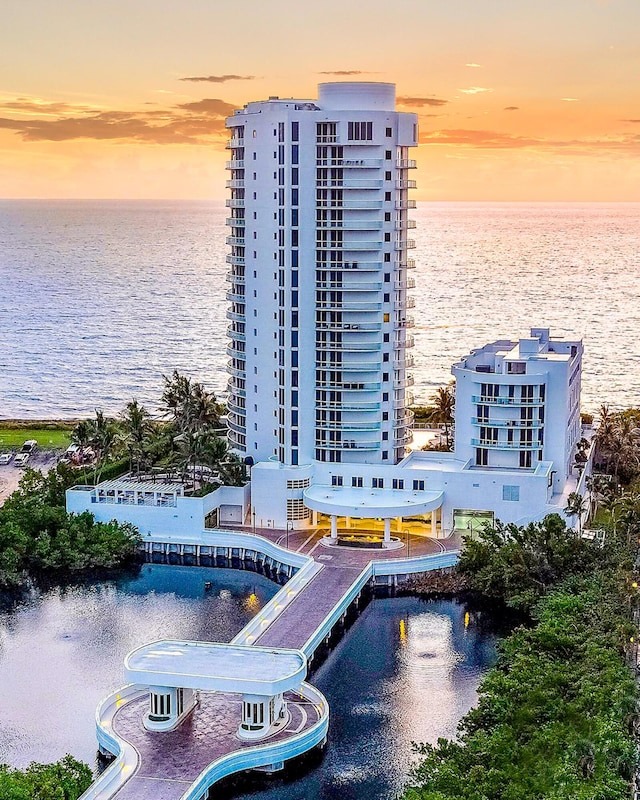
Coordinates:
(406, 671)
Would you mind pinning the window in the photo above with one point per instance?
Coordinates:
(387, 196)
(398, 483)
(525, 459)
(386, 317)
(387, 176)
(418, 486)
(387, 216)
(336, 480)
(482, 457)
(511, 493)
(389, 132)
(387, 258)
(295, 131)
(387, 153)
(299, 483)
(360, 131)
(356, 482)
(377, 483)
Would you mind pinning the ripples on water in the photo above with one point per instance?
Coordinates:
(406, 671)
(99, 299)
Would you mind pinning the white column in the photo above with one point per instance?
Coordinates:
(387, 530)
(434, 525)
(398, 524)
(334, 527)
(314, 518)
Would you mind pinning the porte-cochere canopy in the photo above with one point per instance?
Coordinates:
(363, 503)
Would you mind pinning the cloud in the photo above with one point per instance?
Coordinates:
(32, 105)
(511, 108)
(495, 140)
(218, 78)
(569, 99)
(345, 72)
(475, 66)
(198, 122)
(421, 101)
(635, 121)
(475, 90)
(209, 106)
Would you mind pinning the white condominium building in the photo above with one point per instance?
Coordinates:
(318, 278)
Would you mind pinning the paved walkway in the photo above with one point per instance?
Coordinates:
(171, 761)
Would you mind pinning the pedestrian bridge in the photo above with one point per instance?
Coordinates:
(193, 713)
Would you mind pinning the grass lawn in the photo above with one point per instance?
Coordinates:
(48, 438)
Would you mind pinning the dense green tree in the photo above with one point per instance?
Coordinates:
(136, 427)
(66, 779)
(443, 402)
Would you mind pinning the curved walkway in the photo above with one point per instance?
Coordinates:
(169, 763)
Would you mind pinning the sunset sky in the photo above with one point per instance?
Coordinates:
(532, 100)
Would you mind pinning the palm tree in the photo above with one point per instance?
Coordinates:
(136, 424)
(576, 506)
(102, 438)
(443, 402)
(205, 411)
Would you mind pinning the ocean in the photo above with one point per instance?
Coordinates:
(99, 299)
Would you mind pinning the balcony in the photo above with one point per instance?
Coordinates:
(405, 363)
(408, 264)
(506, 401)
(405, 323)
(234, 259)
(348, 183)
(406, 185)
(233, 353)
(514, 424)
(235, 141)
(239, 336)
(362, 266)
(237, 440)
(350, 225)
(405, 244)
(348, 347)
(234, 426)
(234, 202)
(403, 383)
(349, 286)
(235, 297)
(349, 444)
(352, 247)
(400, 305)
(349, 426)
(356, 205)
(236, 371)
(349, 386)
(236, 316)
(350, 366)
(235, 277)
(329, 138)
(235, 163)
(347, 305)
(499, 445)
(406, 163)
(404, 205)
(237, 241)
(235, 222)
(347, 326)
(353, 404)
(408, 283)
(235, 183)
(350, 163)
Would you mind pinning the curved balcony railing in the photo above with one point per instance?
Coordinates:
(346, 346)
(234, 202)
(350, 163)
(234, 259)
(237, 439)
(238, 241)
(500, 445)
(349, 306)
(349, 386)
(235, 141)
(235, 183)
(234, 277)
(349, 444)
(348, 326)
(350, 204)
(350, 366)
(236, 316)
(516, 424)
(364, 426)
(348, 286)
(239, 336)
(350, 225)
(506, 401)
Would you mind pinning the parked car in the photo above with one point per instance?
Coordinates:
(21, 459)
(29, 446)
(5, 458)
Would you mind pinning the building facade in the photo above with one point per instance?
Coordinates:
(318, 278)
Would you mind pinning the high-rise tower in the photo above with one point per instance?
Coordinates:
(319, 273)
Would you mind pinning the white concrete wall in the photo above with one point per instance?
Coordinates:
(187, 517)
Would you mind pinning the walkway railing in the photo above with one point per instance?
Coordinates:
(126, 756)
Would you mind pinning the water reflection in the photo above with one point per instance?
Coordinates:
(406, 671)
(63, 650)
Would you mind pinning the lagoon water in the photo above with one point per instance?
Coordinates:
(387, 683)
(99, 298)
